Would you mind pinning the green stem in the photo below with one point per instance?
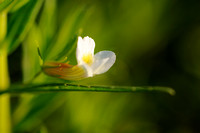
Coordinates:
(66, 87)
(5, 124)
(35, 76)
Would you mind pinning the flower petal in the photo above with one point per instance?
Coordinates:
(88, 69)
(103, 61)
(84, 46)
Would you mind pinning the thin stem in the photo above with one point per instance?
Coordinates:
(66, 87)
(35, 76)
(5, 124)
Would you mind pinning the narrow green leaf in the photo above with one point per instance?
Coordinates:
(67, 34)
(31, 60)
(17, 4)
(61, 87)
(39, 53)
(48, 24)
(5, 4)
(68, 48)
(20, 23)
(41, 107)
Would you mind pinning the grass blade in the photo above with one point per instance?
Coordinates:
(20, 23)
(62, 87)
(67, 35)
(17, 4)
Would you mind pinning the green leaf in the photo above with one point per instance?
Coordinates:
(5, 4)
(41, 107)
(20, 23)
(48, 24)
(68, 49)
(62, 87)
(67, 34)
(31, 60)
(17, 4)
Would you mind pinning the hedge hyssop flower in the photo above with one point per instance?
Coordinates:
(88, 63)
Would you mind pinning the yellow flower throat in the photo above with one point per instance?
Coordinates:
(88, 59)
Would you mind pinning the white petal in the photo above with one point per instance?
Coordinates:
(88, 70)
(78, 49)
(84, 46)
(103, 61)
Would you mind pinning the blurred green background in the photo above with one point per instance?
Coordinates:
(157, 42)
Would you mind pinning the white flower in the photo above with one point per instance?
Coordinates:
(88, 63)
(99, 63)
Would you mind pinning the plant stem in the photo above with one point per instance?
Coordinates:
(35, 76)
(5, 124)
(67, 87)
